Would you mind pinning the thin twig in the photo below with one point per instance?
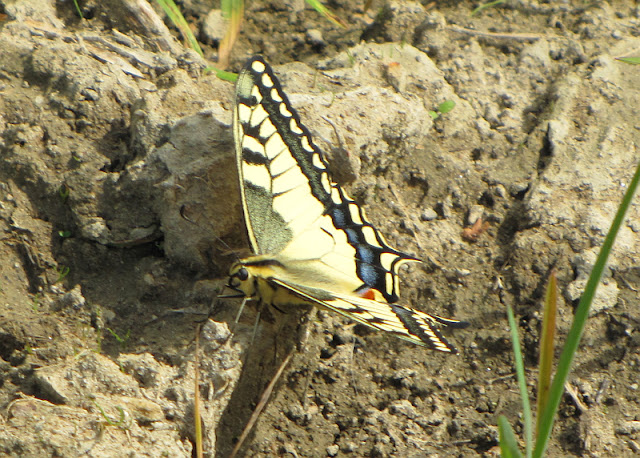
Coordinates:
(196, 398)
(261, 405)
(497, 36)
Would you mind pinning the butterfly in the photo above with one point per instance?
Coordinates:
(312, 243)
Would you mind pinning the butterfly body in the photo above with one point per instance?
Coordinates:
(313, 244)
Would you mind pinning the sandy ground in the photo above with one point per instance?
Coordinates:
(120, 216)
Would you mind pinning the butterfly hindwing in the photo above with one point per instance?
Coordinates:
(406, 323)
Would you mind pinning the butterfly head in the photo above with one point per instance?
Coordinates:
(241, 280)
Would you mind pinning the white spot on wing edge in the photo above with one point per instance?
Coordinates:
(284, 110)
(258, 66)
(354, 211)
(370, 236)
(335, 195)
(294, 127)
(307, 146)
(388, 281)
(275, 95)
(326, 183)
(267, 81)
(317, 160)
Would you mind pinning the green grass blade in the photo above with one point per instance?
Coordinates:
(582, 312)
(547, 339)
(508, 442)
(486, 5)
(629, 60)
(522, 382)
(78, 10)
(326, 12)
(223, 75)
(175, 16)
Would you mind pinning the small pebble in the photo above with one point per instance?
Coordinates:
(314, 38)
(428, 215)
(332, 450)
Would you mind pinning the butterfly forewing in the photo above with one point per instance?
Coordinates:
(288, 192)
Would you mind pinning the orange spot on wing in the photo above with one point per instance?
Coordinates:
(368, 294)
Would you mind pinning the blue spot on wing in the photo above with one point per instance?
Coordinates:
(338, 217)
(367, 273)
(352, 236)
(365, 253)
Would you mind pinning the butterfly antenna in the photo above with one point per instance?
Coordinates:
(228, 249)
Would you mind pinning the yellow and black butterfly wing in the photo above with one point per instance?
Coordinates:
(406, 323)
(293, 210)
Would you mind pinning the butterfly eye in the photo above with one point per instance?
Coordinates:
(242, 274)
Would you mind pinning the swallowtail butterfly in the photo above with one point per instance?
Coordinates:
(312, 243)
